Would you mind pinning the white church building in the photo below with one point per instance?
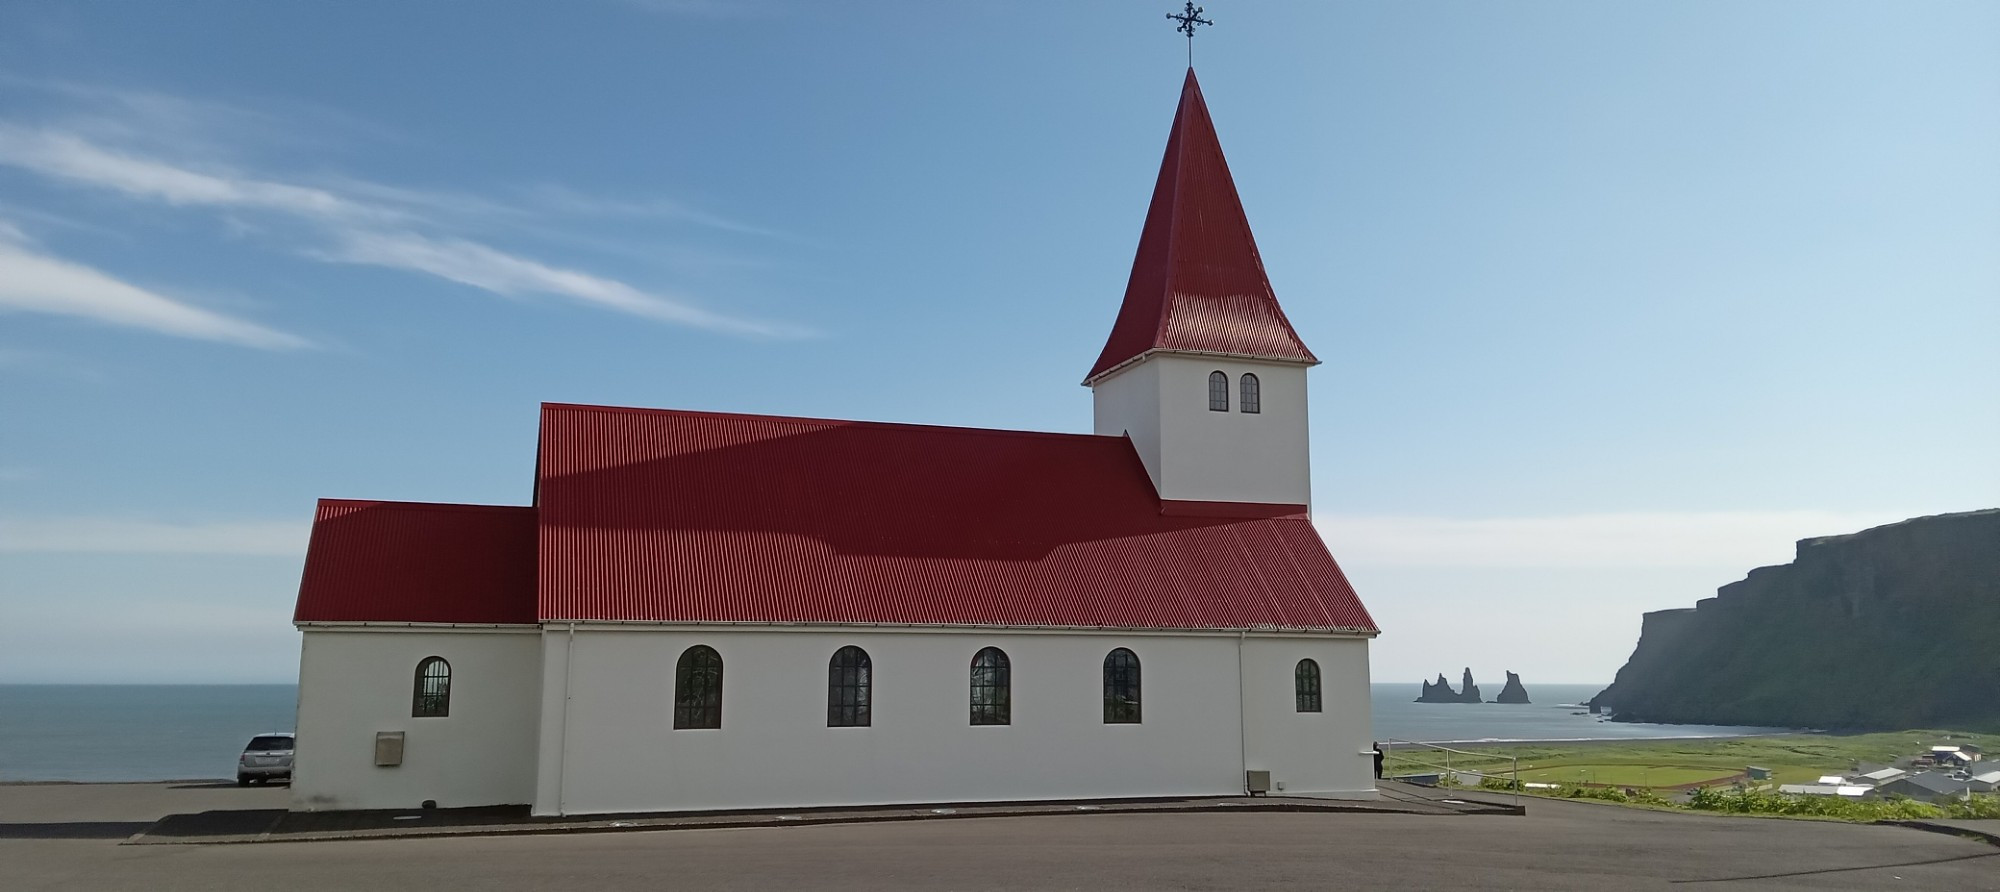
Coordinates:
(720, 611)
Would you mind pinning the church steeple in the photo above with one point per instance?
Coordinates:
(1198, 284)
(1202, 371)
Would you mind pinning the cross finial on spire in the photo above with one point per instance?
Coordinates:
(1189, 18)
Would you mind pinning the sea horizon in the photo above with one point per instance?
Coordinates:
(86, 732)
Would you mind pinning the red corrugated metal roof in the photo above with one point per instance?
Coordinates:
(1198, 284)
(419, 562)
(693, 516)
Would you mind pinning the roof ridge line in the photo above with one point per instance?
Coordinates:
(1179, 145)
(428, 506)
(804, 419)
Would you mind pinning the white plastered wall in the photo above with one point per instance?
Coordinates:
(1196, 454)
(355, 681)
(608, 742)
(1128, 404)
(1324, 754)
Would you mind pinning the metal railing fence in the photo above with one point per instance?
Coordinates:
(1446, 771)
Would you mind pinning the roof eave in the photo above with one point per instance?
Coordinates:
(1259, 629)
(1212, 354)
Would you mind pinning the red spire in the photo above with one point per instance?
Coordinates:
(1197, 284)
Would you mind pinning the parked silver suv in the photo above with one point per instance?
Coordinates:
(268, 757)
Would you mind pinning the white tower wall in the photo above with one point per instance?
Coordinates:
(1197, 454)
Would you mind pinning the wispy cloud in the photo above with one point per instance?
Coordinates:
(571, 202)
(149, 118)
(340, 220)
(70, 157)
(34, 282)
(1743, 539)
(482, 267)
(110, 535)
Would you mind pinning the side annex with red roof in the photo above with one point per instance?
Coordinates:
(706, 610)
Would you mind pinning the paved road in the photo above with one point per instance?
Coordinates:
(55, 803)
(1558, 846)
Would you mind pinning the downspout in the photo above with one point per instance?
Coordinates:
(562, 744)
(1242, 723)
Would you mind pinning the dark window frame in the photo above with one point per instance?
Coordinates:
(1306, 685)
(698, 689)
(1251, 400)
(850, 682)
(992, 687)
(430, 696)
(1122, 691)
(1218, 391)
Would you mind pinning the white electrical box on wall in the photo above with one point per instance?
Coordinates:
(388, 748)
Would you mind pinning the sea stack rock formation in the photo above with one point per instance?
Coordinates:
(1889, 628)
(1513, 692)
(1440, 691)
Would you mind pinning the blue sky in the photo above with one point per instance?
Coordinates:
(1615, 300)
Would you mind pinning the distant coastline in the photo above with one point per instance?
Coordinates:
(1389, 744)
(85, 733)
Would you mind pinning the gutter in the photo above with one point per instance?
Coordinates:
(1242, 720)
(562, 740)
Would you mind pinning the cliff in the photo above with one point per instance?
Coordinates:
(1889, 628)
(1513, 691)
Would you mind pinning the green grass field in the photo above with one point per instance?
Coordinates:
(1618, 775)
(1666, 763)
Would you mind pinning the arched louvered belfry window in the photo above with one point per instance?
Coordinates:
(992, 688)
(698, 688)
(1121, 688)
(848, 684)
(1253, 396)
(432, 698)
(1305, 685)
(1218, 392)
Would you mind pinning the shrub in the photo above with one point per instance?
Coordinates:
(1976, 807)
(1614, 794)
(1752, 802)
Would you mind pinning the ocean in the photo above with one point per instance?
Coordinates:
(1555, 714)
(135, 732)
(188, 732)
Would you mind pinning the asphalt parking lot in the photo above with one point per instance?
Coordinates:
(1558, 845)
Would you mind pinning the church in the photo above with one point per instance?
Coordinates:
(704, 611)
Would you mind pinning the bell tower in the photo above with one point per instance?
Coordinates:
(1202, 369)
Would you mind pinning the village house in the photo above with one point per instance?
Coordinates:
(1987, 781)
(1929, 786)
(1879, 776)
(1828, 786)
(1949, 756)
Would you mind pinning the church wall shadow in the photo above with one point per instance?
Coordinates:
(72, 829)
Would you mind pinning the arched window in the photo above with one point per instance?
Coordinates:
(698, 688)
(432, 698)
(1253, 397)
(1121, 688)
(992, 688)
(847, 688)
(1218, 392)
(1305, 684)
